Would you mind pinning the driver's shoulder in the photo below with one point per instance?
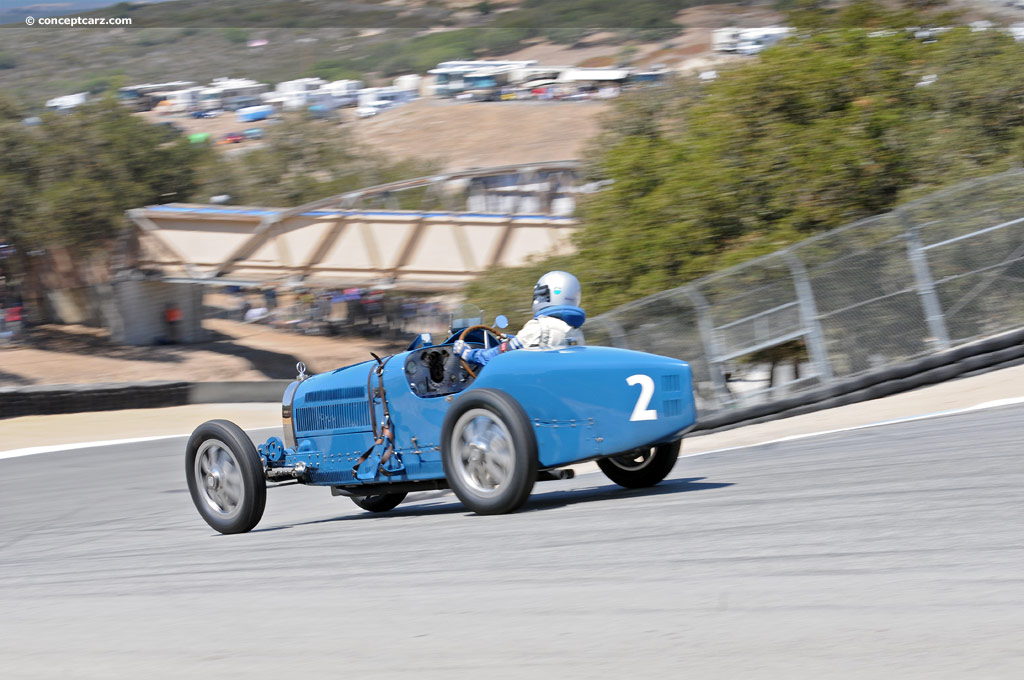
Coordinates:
(551, 322)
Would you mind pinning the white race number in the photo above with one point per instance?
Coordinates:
(640, 411)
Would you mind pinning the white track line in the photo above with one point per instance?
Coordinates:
(35, 450)
(895, 421)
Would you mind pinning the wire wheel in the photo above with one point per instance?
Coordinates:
(644, 466)
(483, 452)
(637, 459)
(379, 502)
(219, 478)
(225, 477)
(489, 451)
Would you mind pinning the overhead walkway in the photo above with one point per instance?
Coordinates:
(346, 240)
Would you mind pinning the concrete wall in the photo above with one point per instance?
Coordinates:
(140, 305)
(73, 306)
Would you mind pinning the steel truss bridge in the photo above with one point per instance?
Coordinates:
(465, 223)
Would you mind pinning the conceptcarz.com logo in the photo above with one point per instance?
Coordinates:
(78, 21)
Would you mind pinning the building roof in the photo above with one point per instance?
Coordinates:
(582, 75)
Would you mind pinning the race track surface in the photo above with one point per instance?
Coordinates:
(891, 552)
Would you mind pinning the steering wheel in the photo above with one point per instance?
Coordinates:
(462, 336)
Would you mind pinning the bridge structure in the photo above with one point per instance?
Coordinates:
(453, 227)
(428, 234)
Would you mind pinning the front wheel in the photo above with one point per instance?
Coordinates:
(379, 503)
(489, 452)
(641, 467)
(225, 477)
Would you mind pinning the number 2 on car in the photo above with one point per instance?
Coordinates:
(640, 411)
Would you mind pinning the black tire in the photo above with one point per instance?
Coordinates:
(380, 502)
(499, 478)
(221, 464)
(641, 467)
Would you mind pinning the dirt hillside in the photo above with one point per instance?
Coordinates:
(482, 134)
(458, 134)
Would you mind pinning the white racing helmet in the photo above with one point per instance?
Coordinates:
(556, 288)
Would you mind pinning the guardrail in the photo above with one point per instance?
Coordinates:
(985, 355)
(990, 354)
(938, 273)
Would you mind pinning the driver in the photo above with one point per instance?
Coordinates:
(556, 320)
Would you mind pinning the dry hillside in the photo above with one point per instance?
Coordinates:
(481, 134)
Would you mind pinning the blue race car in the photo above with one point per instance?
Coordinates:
(424, 419)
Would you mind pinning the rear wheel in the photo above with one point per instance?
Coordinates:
(641, 467)
(225, 477)
(489, 452)
(379, 503)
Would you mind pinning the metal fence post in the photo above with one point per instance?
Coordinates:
(816, 349)
(707, 336)
(616, 333)
(925, 286)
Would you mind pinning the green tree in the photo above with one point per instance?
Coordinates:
(68, 181)
(822, 130)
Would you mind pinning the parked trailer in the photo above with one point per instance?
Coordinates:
(253, 113)
(747, 40)
(725, 39)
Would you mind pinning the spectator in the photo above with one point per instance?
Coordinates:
(172, 319)
(256, 313)
(306, 300)
(12, 318)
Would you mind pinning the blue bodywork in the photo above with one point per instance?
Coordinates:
(583, 402)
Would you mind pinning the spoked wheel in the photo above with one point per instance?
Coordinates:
(225, 477)
(489, 452)
(379, 503)
(641, 467)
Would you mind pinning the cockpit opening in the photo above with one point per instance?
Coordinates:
(425, 371)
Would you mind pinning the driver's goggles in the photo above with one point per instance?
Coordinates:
(541, 294)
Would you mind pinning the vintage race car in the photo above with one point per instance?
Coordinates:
(423, 419)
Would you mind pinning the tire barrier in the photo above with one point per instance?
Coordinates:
(53, 399)
(1000, 351)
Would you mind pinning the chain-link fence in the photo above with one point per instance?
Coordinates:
(934, 274)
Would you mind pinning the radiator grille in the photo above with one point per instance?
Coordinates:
(670, 383)
(338, 394)
(332, 416)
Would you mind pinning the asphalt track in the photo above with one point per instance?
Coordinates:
(890, 552)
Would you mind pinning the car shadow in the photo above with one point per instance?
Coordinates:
(551, 500)
(273, 365)
(609, 492)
